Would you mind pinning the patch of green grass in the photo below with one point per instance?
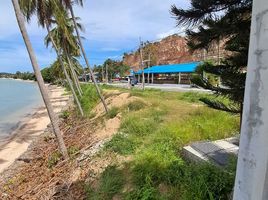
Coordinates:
(72, 151)
(154, 134)
(193, 97)
(141, 124)
(144, 192)
(202, 124)
(122, 144)
(207, 182)
(111, 183)
(112, 112)
(136, 105)
(53, 159)
(89, 99)
(64, 114)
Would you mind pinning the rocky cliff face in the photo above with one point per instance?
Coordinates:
(170, 50)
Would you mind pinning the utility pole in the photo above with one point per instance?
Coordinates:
(252, 170)
(142, 63)
(106, 73)
(102, 73)
(149, 65)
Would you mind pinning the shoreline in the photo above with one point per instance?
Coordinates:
(14, 131)
(18, 79)
(30, 128)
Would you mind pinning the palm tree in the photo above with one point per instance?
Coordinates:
(62, 35)
(68, 4)
(44, 10)
(53, 117)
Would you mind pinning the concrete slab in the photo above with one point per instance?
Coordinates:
(217, 152)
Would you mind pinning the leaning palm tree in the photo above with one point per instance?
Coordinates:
(62, 34)
(68, 4)
(53, 117)
(44, 9)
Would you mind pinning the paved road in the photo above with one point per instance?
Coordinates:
(164, 87)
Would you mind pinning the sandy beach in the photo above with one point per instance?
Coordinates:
(31, 127)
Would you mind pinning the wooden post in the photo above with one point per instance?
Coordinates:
(252, 171)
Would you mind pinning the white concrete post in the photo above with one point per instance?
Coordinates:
(252, 175)
(152, 78)
(179, 78)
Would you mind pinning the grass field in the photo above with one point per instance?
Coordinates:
(152, 133)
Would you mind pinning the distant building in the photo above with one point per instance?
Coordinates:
(169, 74)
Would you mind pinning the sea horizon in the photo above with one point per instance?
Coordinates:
(18, 99)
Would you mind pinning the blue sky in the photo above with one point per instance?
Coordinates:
(111, 28)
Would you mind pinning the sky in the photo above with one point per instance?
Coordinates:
(111, 28)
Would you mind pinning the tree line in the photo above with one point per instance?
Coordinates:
(19, 75)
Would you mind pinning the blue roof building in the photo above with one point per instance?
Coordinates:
(172, 73)
(171, 69)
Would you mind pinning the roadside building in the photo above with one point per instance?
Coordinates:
(168, 74)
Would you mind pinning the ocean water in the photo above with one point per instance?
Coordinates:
(17, 100)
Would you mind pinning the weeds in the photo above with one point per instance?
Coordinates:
(136, 105)
(111, 182)
(72, 151)
(64, 114)
(89, 98)
(154, 135)
(122, 144)
(53, 159)
(112, 112)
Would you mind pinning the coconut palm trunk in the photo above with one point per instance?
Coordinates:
(74, 75)
(53, 117)
(86, 60)
(64, 70)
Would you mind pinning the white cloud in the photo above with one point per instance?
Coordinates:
(165, 34)
(111, 26)
(109, 49)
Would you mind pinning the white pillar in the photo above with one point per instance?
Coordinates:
(152, 78)
(179, 78)
(252, 174)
